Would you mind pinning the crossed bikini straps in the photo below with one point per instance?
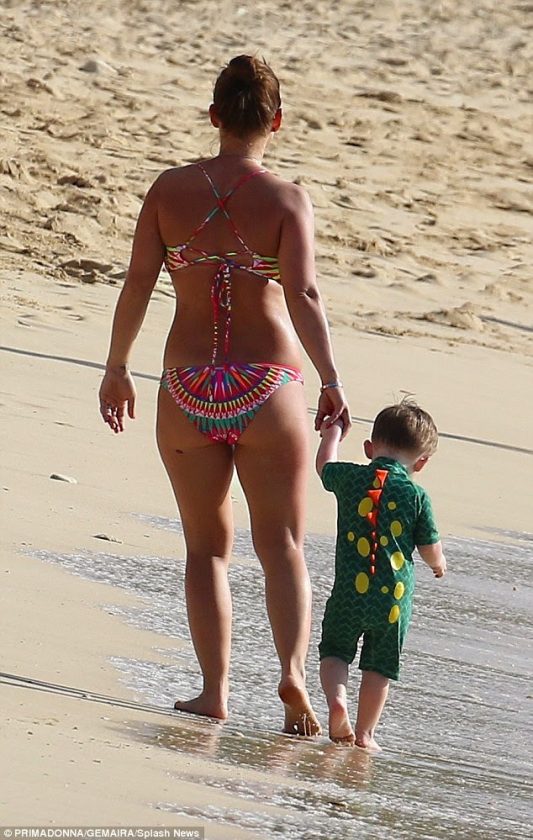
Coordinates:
(264, 267)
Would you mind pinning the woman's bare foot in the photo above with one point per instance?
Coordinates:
(365, 741)
(300, 718)
(340, 728)
(203, 705)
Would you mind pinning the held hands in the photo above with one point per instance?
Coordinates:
(116, 392)
(330, 430)
(332, 406)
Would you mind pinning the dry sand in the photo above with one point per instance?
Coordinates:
(409, 124)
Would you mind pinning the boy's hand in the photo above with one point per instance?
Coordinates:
(326, 427)
(440, 569)
(433, 555)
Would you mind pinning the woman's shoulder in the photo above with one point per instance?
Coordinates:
(293, 196)
(175, 178)
(176, 174)
(296, 201)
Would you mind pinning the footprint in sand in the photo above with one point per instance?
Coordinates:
(90, 271)
(364, 271)
(462, 317)
(75, 180)
(13, 167)
(513, 200)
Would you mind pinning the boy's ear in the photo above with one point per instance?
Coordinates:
(368, 449)
(420, 463)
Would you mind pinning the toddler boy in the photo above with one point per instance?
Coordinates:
(382, 516)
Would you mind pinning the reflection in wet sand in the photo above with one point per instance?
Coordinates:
(286, 757)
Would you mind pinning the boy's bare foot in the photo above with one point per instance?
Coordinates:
(367, 742)
(203, 705)
(300, 718)
(340, 728)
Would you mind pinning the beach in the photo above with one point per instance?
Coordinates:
(409, 123)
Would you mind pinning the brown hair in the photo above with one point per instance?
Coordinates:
(407, 428)
(246, 96)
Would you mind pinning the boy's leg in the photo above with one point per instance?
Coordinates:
(334, 679)
(372, 697)
(379, 663)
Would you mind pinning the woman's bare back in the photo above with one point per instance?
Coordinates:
(261, 328)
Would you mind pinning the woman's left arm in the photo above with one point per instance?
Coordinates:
(117, 389)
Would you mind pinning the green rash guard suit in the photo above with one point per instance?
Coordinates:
(382, 516)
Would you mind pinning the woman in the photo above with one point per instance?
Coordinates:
(231, 393)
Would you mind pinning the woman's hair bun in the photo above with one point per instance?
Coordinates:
(243, 67)
(246, 96)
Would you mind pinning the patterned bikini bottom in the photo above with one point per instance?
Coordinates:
(221, 400)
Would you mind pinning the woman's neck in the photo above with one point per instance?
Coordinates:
(252, 148)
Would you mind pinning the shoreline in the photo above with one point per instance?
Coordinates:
(81, 744)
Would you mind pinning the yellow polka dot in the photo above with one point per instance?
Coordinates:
(365, 506)
(396, 528)
(362, 583)
(363, 546)
(384, 540)
(376, 483)
(399, 589)
(394, 614)
(351, 536)
(397, 560)
(391, 505)
(384, 589)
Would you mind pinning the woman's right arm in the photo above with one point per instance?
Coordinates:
(117, 389)
(297, 268)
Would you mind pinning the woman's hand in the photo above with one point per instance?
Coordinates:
(332, 406)
(116, 391)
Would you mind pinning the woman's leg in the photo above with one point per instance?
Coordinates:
(271, 459)
(200, 473)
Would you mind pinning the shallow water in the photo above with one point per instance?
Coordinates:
(457, 729)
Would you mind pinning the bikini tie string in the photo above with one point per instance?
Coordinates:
(220, 300)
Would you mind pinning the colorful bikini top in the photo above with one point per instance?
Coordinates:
(264, 267)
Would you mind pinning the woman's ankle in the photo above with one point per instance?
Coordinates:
(294, 671)
(216, 690)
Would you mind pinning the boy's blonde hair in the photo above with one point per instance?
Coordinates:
(406, 427)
